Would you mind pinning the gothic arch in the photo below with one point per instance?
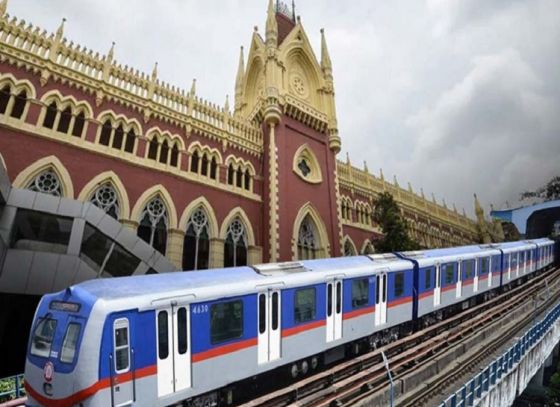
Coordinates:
(238, 211)
(212, 220)
(108, 176)
(145, 198)
(324, 248)
(197, 146)
(304, 152)
(18, 83)
(366, 243)
(254, 83)
(129, 122)
(165, 135)
(348, 239)
(3, 163)
(26, 175)
(65, 100)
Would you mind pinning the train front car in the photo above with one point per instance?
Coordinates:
(62, 327)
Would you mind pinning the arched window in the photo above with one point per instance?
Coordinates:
(78, 125)
(247, 180)
(106, 198)
(213, 168)
(349, 248)
(106, 130)
(118, 138)
(196, 246)
(235, 248)
(164, 152)
(239, 178)
(369, 249)
(204, 165)
(130, 141)
(64, 122)
(194, 162)
(174, 155)
(153, 225)
(46, 182)
(230, 174)
(5, 94)
(307, 241)
(152, 152)
(50, 116)
(19, 104)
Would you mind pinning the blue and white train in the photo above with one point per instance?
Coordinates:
(197, 338)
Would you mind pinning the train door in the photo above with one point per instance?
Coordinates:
(122, 393)
(459, 285)
(489, 270)
(334, 310)
(516, 264)
(437, 287)
(269, 337)
(381, 299)
(475, 279)
(173, 349)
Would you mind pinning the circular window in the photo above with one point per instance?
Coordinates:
(297, 83)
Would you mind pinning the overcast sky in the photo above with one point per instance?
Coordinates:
(455, 96)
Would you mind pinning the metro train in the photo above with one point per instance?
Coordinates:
(202, 338)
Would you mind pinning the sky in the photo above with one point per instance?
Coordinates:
(453, 96)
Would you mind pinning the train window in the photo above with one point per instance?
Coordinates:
(304, 305)
(484, 265)
(182, 330)
(399, 284)
(360, 293)
(262, 313)
(121, 341)
(69, 344)
(428, 278)
(384, 287)
(274, 311)
(43, 337)
(338, 297)
(163, 335)
(469, 269)
(226, 321)
(329, 300)
(449, 271)
(514, 261)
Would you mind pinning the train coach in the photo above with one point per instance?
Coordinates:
(201, 338)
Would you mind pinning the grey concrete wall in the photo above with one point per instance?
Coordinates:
(515, 382)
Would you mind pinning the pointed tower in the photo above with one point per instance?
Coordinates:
(290, 92)
(239, 80)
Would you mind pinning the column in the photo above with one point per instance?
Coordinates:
(175, 238)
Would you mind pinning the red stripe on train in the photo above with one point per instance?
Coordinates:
(400, 301)
(222, 350)
(359, 312)
(89, 391)
(301, 328)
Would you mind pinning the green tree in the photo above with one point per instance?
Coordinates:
(553, 390)
(549, 192)
(393, 226)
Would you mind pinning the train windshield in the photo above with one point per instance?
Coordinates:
(43, 337)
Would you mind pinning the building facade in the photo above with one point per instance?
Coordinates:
(206, 185)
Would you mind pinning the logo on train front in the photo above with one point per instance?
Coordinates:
(48, 371)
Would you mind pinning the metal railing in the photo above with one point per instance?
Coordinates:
(487, 379)
(11, 388)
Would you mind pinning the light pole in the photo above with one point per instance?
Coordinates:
(386, 362)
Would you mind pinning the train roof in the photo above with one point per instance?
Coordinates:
(209, 284)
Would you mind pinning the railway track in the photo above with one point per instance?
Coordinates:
(359, 379)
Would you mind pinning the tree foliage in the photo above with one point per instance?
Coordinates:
(393, 226)
(548, 192)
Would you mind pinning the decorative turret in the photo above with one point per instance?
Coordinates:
(60, 32)
(271, 26)
(326, 63)
(482, 225)
(239, 82)
(3, 7)
(478, 208)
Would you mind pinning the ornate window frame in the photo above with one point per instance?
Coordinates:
(305, 154)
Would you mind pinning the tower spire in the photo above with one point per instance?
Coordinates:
(3, 7)
(326, 63)
(271, 26)
(239, 81)
(60, 31)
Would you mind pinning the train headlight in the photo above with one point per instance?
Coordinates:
(48, 389)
